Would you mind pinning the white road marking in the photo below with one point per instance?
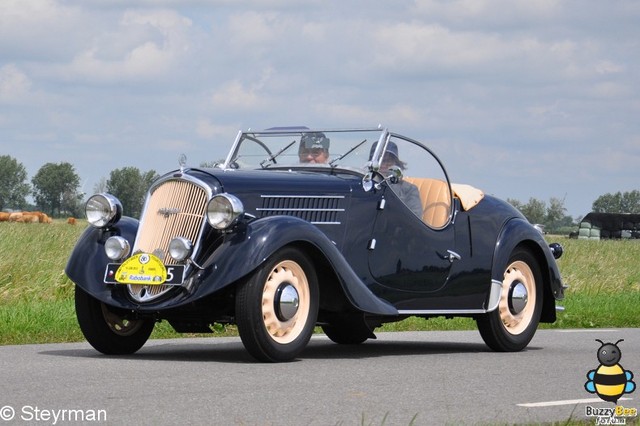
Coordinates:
(588, 330)
(565, 402)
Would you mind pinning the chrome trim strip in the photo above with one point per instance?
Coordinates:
(261, 209)
(441, 312)
(303, 196)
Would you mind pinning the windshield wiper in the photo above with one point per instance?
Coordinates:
(353, 148)
(272, 157)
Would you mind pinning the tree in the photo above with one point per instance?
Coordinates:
(129, 185)
(627, 202)
(515, 203)
(556, 211)
(55, 188)
(553, 216)
(13, 186)
(535, 211)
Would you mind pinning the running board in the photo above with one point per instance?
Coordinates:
(494, 300)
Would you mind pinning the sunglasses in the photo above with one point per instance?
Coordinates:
(316, 152)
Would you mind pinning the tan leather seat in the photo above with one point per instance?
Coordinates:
(436, 200)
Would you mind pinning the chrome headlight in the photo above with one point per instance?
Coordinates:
(117, 248)
(223, 210)
(103, 210)
(180, 248)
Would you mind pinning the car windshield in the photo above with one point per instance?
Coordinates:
(298, 147)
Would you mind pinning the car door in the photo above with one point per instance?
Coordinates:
(412, 249)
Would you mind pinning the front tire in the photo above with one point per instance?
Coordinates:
(107, 331)
(511, 326)
(277, 307)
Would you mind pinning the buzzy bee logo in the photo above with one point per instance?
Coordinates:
(610, 381)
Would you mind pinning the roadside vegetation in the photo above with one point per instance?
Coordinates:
(36, 297)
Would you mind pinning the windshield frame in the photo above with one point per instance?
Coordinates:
(255, 136)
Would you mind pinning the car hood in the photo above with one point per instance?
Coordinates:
(284, 182)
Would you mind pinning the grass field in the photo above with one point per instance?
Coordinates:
(36, 297)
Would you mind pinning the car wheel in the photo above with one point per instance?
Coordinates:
(512, 325)
(347, 334)
(277, 307)
(107, 331)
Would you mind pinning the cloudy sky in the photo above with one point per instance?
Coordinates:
(520, 98)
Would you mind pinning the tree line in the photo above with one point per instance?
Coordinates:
(55, 190)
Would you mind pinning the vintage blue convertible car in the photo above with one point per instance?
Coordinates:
(298, 228)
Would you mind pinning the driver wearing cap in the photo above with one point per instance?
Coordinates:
(314, 148)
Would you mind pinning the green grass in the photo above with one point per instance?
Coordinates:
(36, 297)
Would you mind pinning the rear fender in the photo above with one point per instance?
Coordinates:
(519, 232)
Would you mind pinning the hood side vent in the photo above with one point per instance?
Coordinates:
(317, 209)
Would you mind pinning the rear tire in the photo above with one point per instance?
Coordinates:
(511, 326)
(107, 331)
(277, 307)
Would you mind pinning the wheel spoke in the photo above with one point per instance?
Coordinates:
(517, 272)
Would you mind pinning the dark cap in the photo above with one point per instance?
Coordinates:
(314, 140)
(392, 148)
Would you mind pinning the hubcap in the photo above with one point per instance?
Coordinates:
(287, 302)
(518, 298)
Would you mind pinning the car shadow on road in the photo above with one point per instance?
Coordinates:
(232, 351)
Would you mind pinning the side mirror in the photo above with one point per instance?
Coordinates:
(395, 174)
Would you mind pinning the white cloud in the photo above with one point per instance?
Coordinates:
(208, 129)
(253, 28)
(14, 84)
(142, 44)
(237, 95)
(40, 29)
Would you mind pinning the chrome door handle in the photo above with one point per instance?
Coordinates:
(452, 256)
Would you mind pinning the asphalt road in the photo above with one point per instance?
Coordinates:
(424, 377)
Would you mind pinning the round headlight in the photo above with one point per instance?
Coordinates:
(103, 210)
(116, 248)
(180, 248)
(223, 210)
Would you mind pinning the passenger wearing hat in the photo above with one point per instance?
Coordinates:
(314, 148)
(406, 191)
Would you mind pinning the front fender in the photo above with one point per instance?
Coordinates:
(244, 251)
(86, 265)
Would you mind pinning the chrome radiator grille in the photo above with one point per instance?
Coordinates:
(317, 209)
(176, 208)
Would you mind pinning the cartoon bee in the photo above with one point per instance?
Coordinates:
(610, 381)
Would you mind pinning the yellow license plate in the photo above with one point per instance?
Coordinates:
(143, 268)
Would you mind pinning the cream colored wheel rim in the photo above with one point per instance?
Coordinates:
(517, 272)
(285, 273)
